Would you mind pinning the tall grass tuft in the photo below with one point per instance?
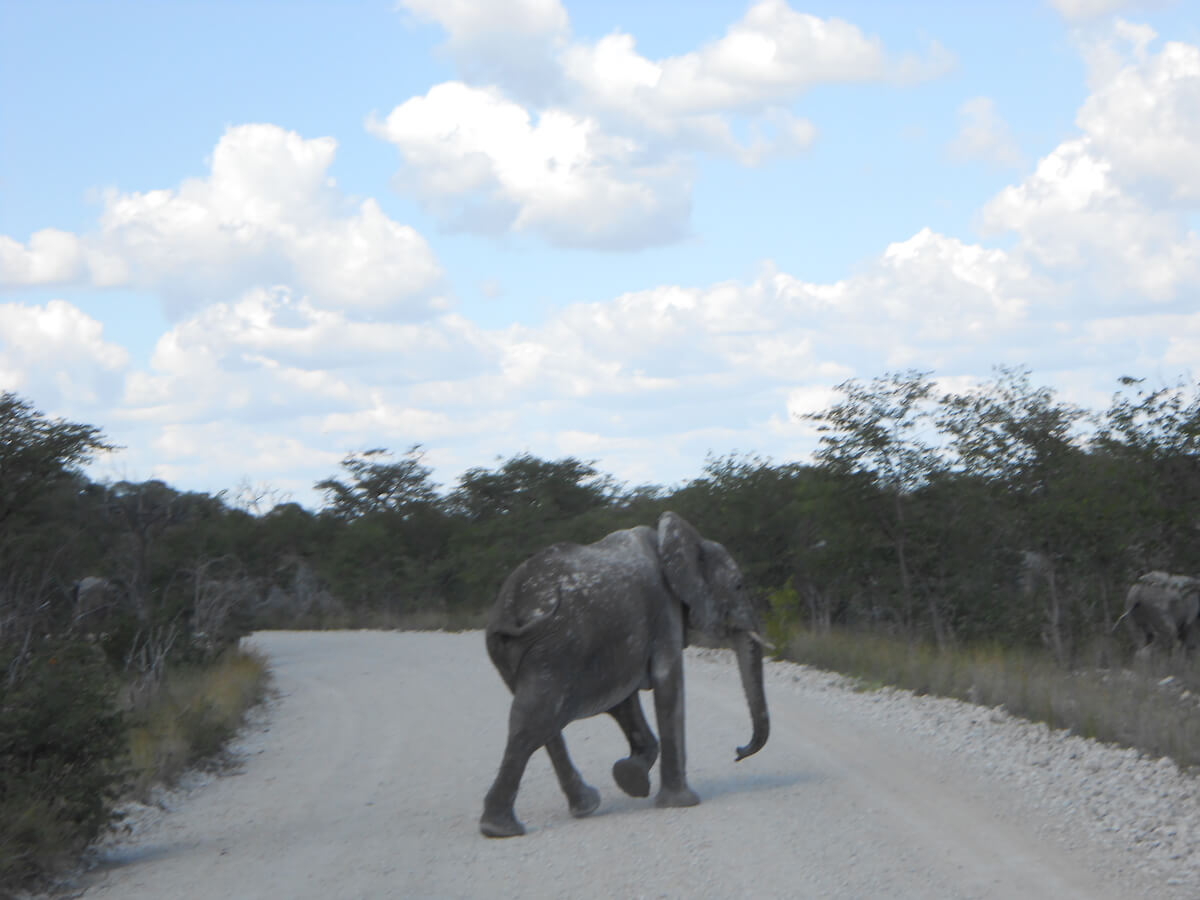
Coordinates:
(191, 716)
(1151, 706)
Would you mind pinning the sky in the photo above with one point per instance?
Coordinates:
(248, 238)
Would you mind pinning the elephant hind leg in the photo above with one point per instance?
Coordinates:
(632, 774)
(529, 727)
(498, 819)
(582, 798)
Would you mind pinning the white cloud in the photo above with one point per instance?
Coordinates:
(685, 103)
(1141, 117)
(769, 57)
(52, 256)
(948, 297)
(480, 162)
(58, 353)
(1155, 345)
(272, 376)
(949, 290)
(1108, 209)
(811, 399)
(762, 64)
(270, 355)
(510, 42)
(984, 135)
(267, 213)
(606, 129)
(473, 20)
(679, 365)
(214, 455)
(1072, 217)
(1080, 10)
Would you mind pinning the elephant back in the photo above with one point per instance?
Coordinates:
(1161, 589)
(569, 577)
(1164, 608)
(532, 593)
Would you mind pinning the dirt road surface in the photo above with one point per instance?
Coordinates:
(368, 778)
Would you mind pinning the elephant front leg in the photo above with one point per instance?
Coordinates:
(667, 680)
(632, 774)
(582, 798)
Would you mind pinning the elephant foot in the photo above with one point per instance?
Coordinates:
(500, 826)
(586, 803)
(684, 796)
(632, 776)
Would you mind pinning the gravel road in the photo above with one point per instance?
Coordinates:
(366, 774)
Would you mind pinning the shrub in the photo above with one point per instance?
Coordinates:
(61, 741)
(783, 606)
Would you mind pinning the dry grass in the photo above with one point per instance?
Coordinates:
(191, 716)
(1151, 706)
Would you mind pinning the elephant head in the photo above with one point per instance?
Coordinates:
(1162, 610)
(708, 583)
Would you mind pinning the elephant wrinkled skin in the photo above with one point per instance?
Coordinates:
(579, 630)
(1161, 611)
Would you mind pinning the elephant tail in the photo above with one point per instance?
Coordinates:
(516, 613)
(508, 624)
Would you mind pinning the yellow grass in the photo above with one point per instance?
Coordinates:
(192, 714)
(1151, 705)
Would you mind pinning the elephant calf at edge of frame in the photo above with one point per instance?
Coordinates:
(578, 630)
(1162, 610)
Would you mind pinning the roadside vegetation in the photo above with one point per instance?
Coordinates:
(188, 718)
(107, 687)
(1151, 703)
(976, 543)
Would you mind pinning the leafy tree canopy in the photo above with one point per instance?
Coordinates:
(37, 453)
(556, 488)
(376, 483)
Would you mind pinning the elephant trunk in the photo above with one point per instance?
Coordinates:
(750, 663)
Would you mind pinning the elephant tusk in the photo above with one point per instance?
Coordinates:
(1118, 622)
(758, 639)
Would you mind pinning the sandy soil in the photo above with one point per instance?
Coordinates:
(368, 775)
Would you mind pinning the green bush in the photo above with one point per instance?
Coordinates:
(61, 741)
(783, 609)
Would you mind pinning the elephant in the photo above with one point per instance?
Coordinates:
(1162, 611)
(578, 630)
(92, 597)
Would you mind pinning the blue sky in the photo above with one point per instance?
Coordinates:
(248, 238)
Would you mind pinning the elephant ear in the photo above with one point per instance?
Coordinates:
(681, 552)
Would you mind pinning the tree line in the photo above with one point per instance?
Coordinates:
(996, 513)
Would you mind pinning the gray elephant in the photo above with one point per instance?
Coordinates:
(579, 630)
(92, 598)
(1162, 611)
